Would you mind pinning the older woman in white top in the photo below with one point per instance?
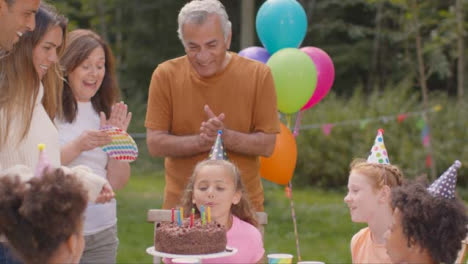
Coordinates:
(90, 96)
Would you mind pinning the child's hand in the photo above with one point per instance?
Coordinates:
(106, 194)
(119, 117)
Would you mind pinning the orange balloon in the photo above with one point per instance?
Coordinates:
(279, 167)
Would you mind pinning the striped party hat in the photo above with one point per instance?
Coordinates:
(122, 147)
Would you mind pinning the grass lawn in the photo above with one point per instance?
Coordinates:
(323, 221)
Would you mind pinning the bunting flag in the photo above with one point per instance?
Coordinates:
(362, 123)
(428, 161)
(327, 129)
(425, 136)
(401, 118)
(420, 124)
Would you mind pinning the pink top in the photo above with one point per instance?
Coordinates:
(365, 250)
(248, 241)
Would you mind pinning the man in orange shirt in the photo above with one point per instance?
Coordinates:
(210, 89)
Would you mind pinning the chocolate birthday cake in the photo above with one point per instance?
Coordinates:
(186, 240)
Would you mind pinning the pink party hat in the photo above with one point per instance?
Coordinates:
(379, 152)
(43, 163)
(444, 186)
(217, 151)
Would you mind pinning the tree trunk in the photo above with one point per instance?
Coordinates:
(461, 50)
(101, 14)
(247, 32)
(422, 80)
(118, 34)
(376, 47)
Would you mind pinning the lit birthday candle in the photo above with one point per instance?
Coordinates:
(182, 213)
(172, 215)
(208, 214)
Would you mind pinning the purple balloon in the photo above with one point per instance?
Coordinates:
(255, 53)
(325, 74)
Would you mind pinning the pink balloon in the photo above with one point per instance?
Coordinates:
(325, 74)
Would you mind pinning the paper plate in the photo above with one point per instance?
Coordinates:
(122, 147)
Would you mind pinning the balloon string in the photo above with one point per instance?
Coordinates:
(297, 125)
(288, 121)
(293, 214)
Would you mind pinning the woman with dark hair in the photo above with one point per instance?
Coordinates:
(428, 224)
(90, 95)
(43, 218)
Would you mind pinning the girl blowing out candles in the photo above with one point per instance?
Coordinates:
(216, 184)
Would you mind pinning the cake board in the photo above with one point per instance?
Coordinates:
(229, 251)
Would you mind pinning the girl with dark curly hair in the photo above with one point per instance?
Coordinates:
(428, 224)
(369, 197)
(43, 217)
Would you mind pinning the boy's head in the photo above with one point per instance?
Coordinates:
(425, 227)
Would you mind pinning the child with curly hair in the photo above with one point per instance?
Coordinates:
(428, 224)
(369, 200)
(43, 218)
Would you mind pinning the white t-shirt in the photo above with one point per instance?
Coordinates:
(97, 216)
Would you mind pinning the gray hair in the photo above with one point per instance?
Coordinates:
(197, 11)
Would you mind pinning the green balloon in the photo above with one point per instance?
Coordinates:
(295, 78)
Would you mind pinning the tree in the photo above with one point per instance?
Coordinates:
(461, 49)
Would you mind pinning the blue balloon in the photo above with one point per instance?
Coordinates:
(281, 24)
(255, 53)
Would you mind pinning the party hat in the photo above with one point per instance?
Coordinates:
(379, 152)
(43, 163)
(217, 151)
(122, 147)
(444, 186)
